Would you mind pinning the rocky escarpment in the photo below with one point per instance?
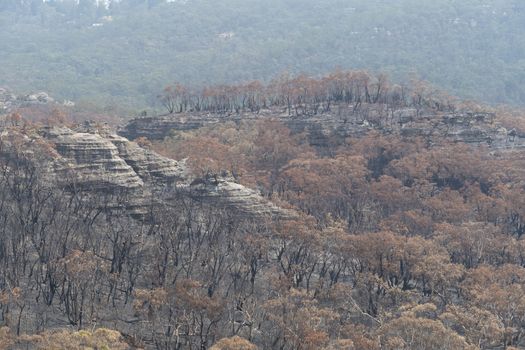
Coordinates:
(93, 159)
(148, 165)
(157, 128)
(226, 193)
(342, 122)
(90, 161)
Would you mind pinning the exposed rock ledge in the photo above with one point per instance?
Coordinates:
(95, 159)
(341, 123)
(226, 193)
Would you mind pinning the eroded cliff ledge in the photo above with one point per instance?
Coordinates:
(93, 159)
(342, 122)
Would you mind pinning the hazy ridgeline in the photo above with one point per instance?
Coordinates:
(122, 54)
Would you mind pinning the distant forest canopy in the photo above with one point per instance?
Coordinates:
(123, 53)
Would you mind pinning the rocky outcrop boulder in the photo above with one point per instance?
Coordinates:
(39, 97)
(226, 193)
(10, 102)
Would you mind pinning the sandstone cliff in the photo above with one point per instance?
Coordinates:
(342, 122)
(93, 159)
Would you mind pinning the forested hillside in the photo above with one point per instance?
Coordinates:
(368, 204)
(341, 212)
(124, 53)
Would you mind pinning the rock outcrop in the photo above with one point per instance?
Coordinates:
(10, 102)
(93, 159)
(148, 165)
(342, 122)
(226, 193)
(157, 128)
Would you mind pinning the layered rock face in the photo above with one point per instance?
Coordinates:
(342, 122)
(226, 193)
(157, 128)
(148, 165)
(91, 161)
(96, 160)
